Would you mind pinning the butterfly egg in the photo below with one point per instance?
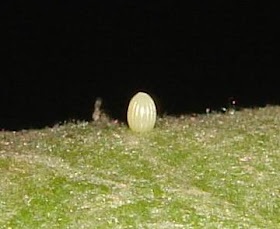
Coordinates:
(141, 113)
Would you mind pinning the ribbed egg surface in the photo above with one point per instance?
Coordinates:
(141, 113)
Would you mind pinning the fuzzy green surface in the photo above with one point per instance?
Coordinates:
(208, 171)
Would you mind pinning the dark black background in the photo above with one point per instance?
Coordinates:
(188, 55)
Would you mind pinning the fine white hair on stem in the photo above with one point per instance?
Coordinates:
(97, 109)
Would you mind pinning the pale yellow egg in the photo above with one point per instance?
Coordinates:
(141, 113)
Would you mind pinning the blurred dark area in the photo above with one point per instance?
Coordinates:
(58, 57)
